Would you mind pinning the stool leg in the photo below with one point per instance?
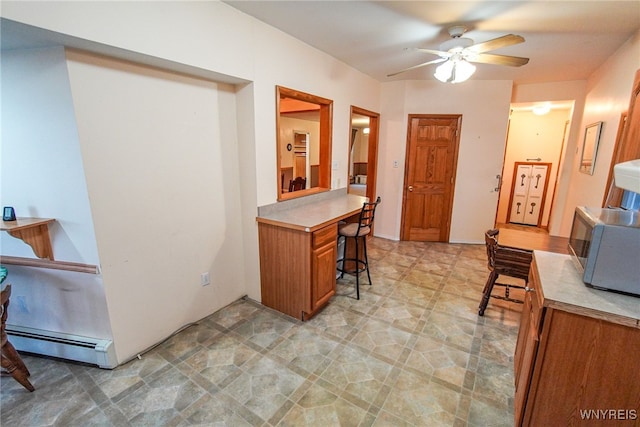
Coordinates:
(12, 363)
(357, 271)
(366, 258)
(486, 293)
(341, 269)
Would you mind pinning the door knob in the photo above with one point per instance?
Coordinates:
(410, 188)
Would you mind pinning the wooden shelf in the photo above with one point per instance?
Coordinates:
(34, 232)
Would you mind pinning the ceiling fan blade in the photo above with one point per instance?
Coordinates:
(435, 61)
(489, 58)
(497, 43)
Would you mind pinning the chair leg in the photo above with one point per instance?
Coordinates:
(13, 364)
(486, 293)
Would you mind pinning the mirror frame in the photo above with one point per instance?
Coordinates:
(591, 140)
(326, 126)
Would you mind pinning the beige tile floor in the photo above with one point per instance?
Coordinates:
(411, 352)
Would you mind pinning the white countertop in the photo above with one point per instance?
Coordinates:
(313, 215)
(563, 289)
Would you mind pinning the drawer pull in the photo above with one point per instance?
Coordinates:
(528, 289)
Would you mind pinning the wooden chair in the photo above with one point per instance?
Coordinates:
(299, 183)
(356, 231)
(11, 361)
(506, 261)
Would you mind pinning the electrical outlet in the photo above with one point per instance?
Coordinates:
(395, 163)
(204, 279)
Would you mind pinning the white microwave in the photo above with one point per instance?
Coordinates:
(606, 246)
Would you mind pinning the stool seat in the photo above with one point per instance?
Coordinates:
(353, 230)
(358, 231)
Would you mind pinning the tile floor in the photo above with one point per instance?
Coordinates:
(411, 352)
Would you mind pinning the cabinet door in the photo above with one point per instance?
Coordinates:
(323, 268)
(527, 347)
(323, 281)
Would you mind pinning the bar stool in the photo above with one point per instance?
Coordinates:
(11, 361)
(357, 230)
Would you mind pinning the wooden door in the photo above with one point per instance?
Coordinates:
(300, 168)
(430, 165)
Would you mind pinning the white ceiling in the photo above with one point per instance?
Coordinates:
(565, 40)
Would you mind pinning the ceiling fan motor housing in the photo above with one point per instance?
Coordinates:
(458, 44)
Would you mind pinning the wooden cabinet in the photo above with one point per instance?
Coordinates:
(297, 268)
(571, 363)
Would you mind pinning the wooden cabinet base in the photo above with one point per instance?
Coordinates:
(297, 268)
(573, 369)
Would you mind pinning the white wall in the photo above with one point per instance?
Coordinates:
(42, 175)
(161, 169)
(608, 95)
(206, 38)
(484, 106)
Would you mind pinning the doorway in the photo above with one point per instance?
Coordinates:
(363, 152)
(431, 161)
(533, 138)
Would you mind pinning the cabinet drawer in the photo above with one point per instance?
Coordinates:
(325, 235)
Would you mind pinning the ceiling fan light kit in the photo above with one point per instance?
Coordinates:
(454, 71)
(457, 54)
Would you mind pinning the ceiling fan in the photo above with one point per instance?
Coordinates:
(457, 54)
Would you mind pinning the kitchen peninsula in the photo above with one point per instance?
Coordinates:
(577, 350)
(298, 250)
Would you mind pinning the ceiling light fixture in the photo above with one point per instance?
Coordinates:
(365, 131)
(454, 70)
(541, 110)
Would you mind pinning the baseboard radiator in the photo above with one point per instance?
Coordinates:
(65, 346)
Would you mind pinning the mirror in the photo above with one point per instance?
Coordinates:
(363, 152)
(358, 155)
(304, 143)
(590, 147)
